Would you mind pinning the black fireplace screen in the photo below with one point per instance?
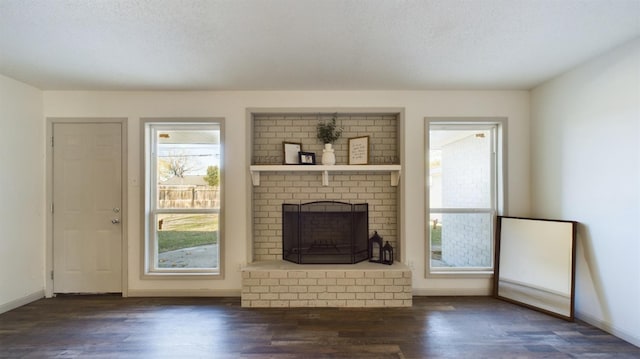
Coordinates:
(325, 232)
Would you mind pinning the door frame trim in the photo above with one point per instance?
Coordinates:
(50, 121)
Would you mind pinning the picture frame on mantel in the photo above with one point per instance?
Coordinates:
(290, 153)
(307, 158)
(359, 150)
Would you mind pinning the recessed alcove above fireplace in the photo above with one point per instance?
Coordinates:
(273, 184)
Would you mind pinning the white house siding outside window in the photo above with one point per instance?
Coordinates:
(183, 197)
(463, 180)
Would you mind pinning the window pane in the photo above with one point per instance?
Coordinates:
(462, 195)
(188, 163)
(187, 240)
(461, 240)
(460, 169)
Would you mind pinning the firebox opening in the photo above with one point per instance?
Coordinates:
(325, 232)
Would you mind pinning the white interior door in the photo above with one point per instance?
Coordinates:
(87, 192)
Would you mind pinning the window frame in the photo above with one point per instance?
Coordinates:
(498, 189)
(149, 127)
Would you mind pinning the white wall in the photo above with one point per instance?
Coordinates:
(232, 105)
(585, 143)
(22, 200)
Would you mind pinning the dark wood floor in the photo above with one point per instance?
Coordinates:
(435, 327)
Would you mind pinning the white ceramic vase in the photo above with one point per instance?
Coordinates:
(328, 156)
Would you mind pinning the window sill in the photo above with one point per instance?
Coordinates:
(459, 274)
(185, 275)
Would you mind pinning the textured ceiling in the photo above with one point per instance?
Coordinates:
(305, 44)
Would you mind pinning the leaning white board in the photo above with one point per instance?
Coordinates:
(537, 254)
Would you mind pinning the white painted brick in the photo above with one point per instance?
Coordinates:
(297, 274)
(365, 295)
(317, 289)
(374, 274)
(268, 296)
(402, 281)
(250, 282)
(316, 274)
(259, 274)
(328, 281)
(346, 281)
(356, 289)
(335, 274)
(402, 296)
(278, 289)
(393, 274)
(354, 274)
(374, 289)
(289, 281)
(298, 288)
(365, 281)
(393, 288)
(308, 296)
(260, 303)
(346, 296)
(308, 281)
(269, 282)
(278, 274)
(384, 281)
(336, 289)
(327, 296)
(259, 289)
(384, 295)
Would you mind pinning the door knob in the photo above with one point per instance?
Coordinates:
(115, 220)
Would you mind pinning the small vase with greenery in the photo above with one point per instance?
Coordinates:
(328, 131)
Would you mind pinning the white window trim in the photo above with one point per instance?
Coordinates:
(499, 164)
(148, 126)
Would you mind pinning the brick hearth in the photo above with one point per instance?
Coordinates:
(285, 284)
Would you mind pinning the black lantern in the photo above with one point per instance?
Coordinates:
(375, 248)
(387, 254)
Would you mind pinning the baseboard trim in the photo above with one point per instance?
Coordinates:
(441, 292)
(21, 301)
(607, 327)
(183, 293)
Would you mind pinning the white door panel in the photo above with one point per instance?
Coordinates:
(87, 246)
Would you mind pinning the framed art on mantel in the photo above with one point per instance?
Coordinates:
(290, 152)
(359, 150)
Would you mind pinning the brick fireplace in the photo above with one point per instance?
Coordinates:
(276, 188)
(271, 282)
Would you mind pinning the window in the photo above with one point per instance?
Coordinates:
(464, 195)
(182, 197)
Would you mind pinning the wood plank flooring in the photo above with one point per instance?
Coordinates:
(435, 327)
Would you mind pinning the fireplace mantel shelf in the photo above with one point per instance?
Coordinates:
(394, 170)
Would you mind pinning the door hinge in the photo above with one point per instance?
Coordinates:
(51, 207)
(51, 275)
(51, 141)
